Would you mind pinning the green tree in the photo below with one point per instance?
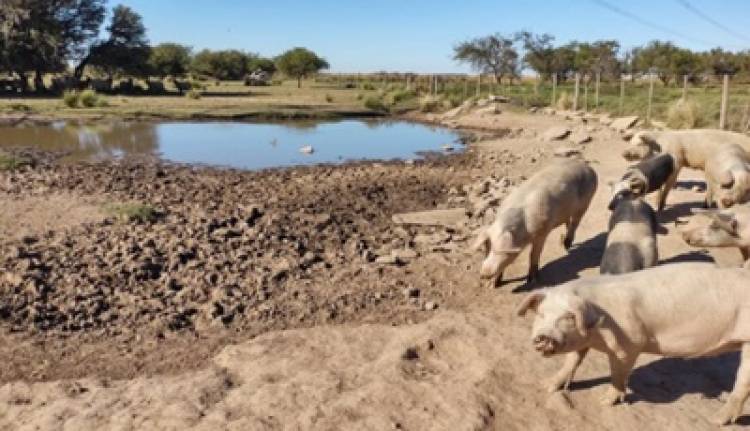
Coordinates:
(222, 65)
(722, 62)
(265, 64)
(539, 53)
(657, 57)
(494, 54)
(300, 63)
(169, 59)
(126, 51)
(564, 61)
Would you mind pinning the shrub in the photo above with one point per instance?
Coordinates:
(329, 98)
(71, 99)
(368, 86)
(399, 96)
(135, 211)
(193, 94)
(375, 104)
(564, 102)
(22, 107)
(88, 98)
(360, 96)
(683, 114)
(11, 163)
(429, 104)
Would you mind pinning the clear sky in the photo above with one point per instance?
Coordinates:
(418, 35)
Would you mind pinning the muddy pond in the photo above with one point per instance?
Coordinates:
(237, 144)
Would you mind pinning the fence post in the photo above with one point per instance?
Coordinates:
(466, 87)
(684, 86)
(576, 91)
(554, 89)
(585, 96)
(598, 83)
(650, 97)
(724, 103)
(479, 85)
(622, 96)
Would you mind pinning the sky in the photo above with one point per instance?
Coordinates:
(418, 35)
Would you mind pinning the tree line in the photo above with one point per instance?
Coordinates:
(507, 55)
(39, 37)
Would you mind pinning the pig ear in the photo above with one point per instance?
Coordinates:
(531, 301)
(482, 241)
(582, 314)
(726, 179)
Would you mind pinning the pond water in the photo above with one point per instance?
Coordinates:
(236, 144)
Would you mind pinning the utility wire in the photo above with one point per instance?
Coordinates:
(686, 4)
(607, 5)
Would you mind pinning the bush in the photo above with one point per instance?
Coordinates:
(429, 104)
(193, 94)
(135, 211)
(71, 99)
(21, 107)
(11, 163)
(375, 104)
(683, 114)
(564, 102)
(89, 98)
(329, 98)
(368, 86)
(403, 95)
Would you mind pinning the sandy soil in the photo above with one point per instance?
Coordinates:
(330, 339)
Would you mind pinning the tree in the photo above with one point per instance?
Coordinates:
(261, 63)
(722, 62)
(126, 51)
(657, 57)
(40, 35)
(222, 65)
(300, 63)
(493, 54)
(564, 61)
(169, 59)
(539, 53)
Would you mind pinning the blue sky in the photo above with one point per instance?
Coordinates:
(418, 35)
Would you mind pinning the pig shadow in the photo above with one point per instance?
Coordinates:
(692, 256)
(581, 256)
(677, 211)
(689, 184)
(669, 379)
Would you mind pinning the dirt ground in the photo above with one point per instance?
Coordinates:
(272, 300)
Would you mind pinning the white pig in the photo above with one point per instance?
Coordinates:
(556, 195)
(727, 176)
(682, 310)
(720, 228)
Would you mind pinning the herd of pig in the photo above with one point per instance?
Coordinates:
(635, 306)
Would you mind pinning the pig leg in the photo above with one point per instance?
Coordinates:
(620, 366)
(570, 232)
(666, 188)
(745, 253)
(564, 377)
(733, 407)
(709, 195)
(536, 252)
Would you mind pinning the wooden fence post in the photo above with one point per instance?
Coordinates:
(598, 83)
(585, 96)
(650, 97)
(466, 87)
(684, 86)
(479, 85)
(554, 89)
(622, 95)
(576, 90)
(724, 103)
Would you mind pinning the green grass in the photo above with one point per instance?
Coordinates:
(133, 211)
(11, 163)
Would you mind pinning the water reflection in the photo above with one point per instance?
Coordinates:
(241, 145)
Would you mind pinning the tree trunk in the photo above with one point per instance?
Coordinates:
(299, 82)
(38, 82)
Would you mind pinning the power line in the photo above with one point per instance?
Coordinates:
(686, 4)
(647, 23)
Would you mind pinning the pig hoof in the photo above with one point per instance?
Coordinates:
(612, 397)
(554, 385)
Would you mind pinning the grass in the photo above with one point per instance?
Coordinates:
(11, 163)
(132, 212)
(230, 100)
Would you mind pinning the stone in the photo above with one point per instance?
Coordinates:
(388, 259)
(411, 292)
(580, 138)
(430, 306)
(624, 123)
(556, 133)
(445, 217)
(404, 255)
(567, 152)
(498, 99)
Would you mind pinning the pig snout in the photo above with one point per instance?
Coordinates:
(545, 344)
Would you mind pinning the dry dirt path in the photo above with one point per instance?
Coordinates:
(468, 367)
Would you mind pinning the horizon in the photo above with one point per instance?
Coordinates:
(419, 37)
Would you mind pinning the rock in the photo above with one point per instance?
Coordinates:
(548, 111)
(567, 152)
(388, 259)
(580, 138)
(411, 292)
(624, 123)
(498, 99)
(307, 149)
(430, 306)
(605, 120)
(404, 255)
(446, 217)
(556, 133)
(533, 110)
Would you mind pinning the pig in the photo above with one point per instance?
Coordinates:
(642, 178)
(721, 228)
(727, 176)
(684, 310)
(688, 148)
(631, 239)
(558, 194)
